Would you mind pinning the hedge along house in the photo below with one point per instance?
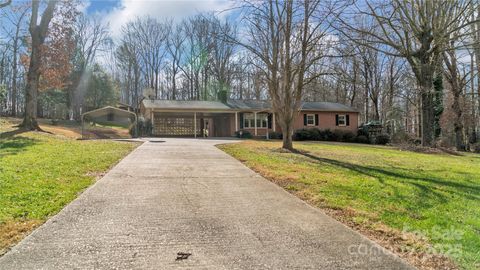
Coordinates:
(217, 119)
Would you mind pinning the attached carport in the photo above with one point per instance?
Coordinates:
(177, 118)
(108, 116)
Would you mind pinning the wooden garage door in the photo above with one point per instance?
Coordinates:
(174, 126)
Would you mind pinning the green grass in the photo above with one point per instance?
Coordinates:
(40, 173)
(437, 195)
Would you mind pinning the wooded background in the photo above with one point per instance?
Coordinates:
(411, 65)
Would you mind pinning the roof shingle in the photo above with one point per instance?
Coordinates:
(240, 105)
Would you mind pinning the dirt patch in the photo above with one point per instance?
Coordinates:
(96, 175)
(72, 133)
(11, 232)
(407, 246)
(9, 124)
(427, 150)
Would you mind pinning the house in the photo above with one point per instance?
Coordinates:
(217, 119)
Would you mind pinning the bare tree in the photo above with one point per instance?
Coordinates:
(129, 59)
(91, 35)
(419, 31)
(151, 37)
(457, 83)
(286, 37)
(15, 17)
(6, 3)
(475, 36)
(221, 53)
(175, 46)
(38, 33)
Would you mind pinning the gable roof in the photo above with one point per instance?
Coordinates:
(109, 110)
(184, 104)
(327, 107)
(249, 104)
(239, 105)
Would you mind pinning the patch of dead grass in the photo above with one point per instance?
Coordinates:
(405, 245)
(71, 133)
(11, 232)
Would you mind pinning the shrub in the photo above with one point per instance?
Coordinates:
(144, 127)
(382, 139)
(473, 138)
(275, 135)
(400, 137)
(417, 141)
(301, 135)
(476, 147)
(243, 134)
(349, 136)
(315, 134)
(343, 136)
(338, 135)
(363, 131)
(361, 139)
(327, 135)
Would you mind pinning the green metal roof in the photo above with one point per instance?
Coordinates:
(109, 110)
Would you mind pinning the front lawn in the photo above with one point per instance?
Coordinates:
(395, 197)
(40, 173)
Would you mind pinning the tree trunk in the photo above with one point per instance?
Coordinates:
(174, 85)
(38, 34)
(287, 134)
(33, 76)
(458, 125)
(354, 83)
(14, 79)
(14, 68)
(427, 119)
(30, 118)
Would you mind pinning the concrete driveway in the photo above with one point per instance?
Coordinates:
(186, 196)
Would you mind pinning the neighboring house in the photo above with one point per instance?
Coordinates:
(195, 118)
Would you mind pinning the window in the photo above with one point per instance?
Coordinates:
(342, 120)
(311, 120)
(249, 120)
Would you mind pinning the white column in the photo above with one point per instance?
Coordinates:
(255, 117)
(153, 124)
(273, 122)
(236, 121)
(195, 124)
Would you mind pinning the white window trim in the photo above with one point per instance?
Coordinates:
(247, 120)
(252, 119)
(344, 120)
(313, 117)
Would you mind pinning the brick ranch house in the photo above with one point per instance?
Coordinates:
(217, 119)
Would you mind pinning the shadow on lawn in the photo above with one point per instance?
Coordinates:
(428, 187)
(9, 134)
(13, 145)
